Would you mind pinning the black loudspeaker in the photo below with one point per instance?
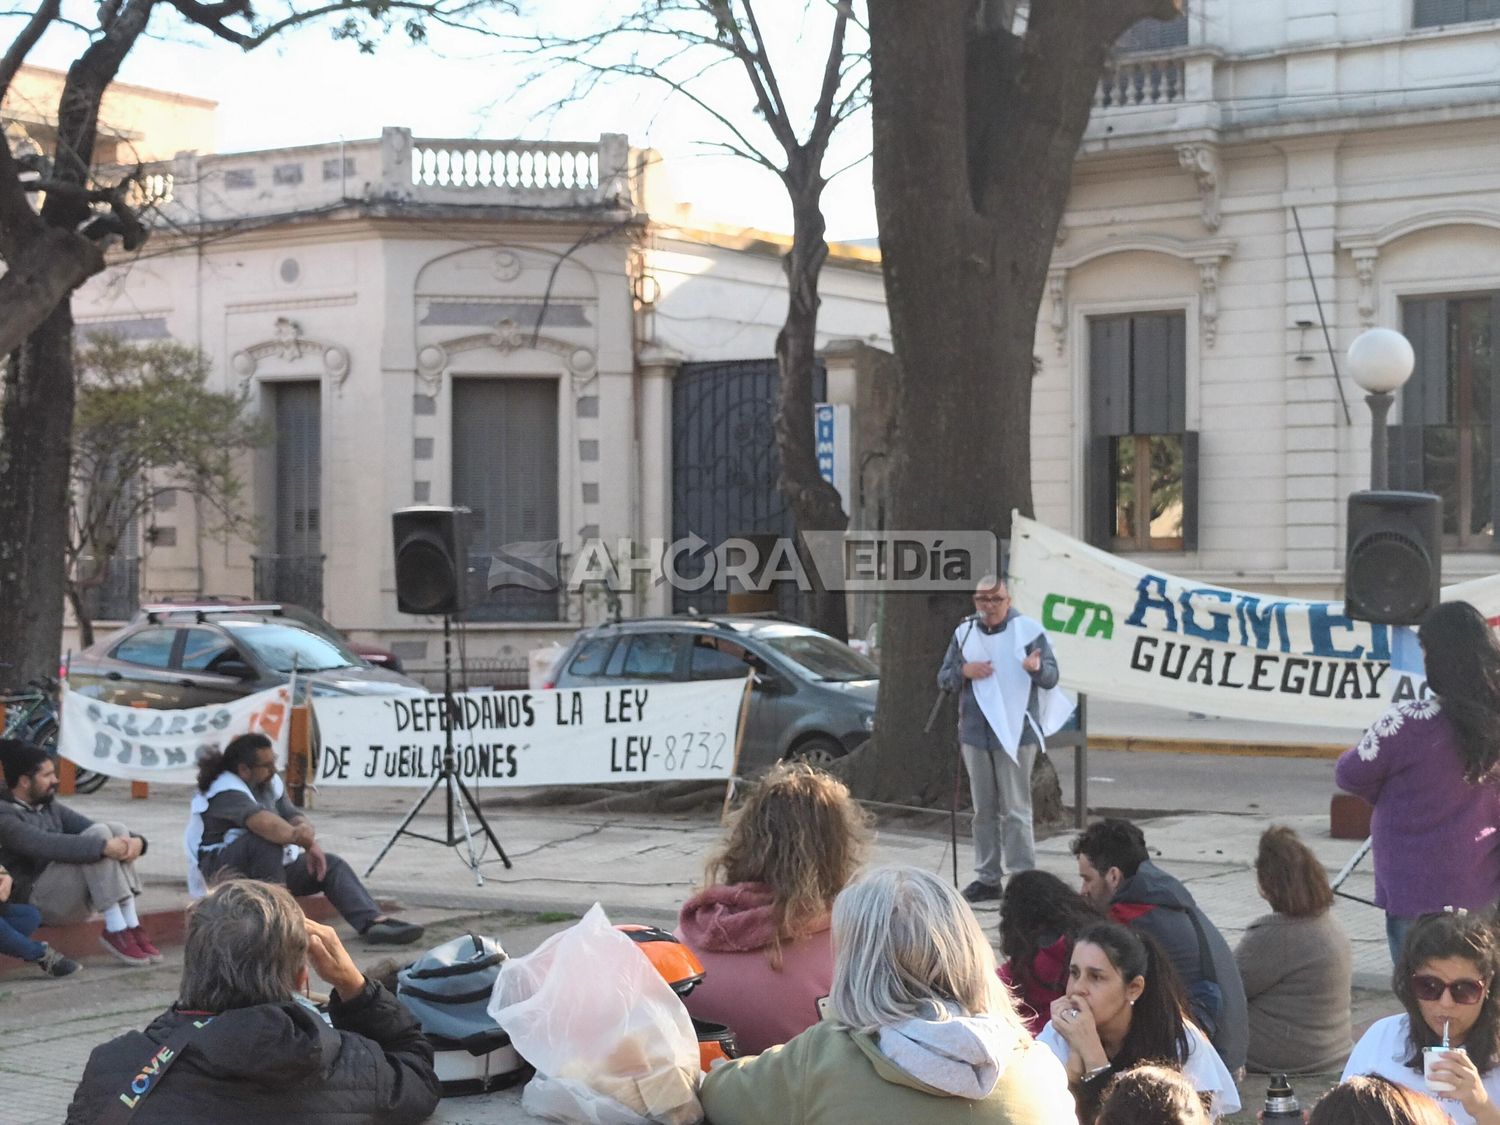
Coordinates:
(1394, 563)
(432, 559)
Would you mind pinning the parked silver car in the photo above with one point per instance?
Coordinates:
(814, 696)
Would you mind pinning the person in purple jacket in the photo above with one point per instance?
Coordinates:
(1429, 768)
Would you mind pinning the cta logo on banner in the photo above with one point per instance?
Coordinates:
(146, 744)
(1125, 631)
(583, 736)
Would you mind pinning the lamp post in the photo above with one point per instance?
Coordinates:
(1380, 361)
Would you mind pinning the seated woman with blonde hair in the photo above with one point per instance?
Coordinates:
(760, 926)
(919, 1027)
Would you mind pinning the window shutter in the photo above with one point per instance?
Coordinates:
(1156, 383)
(1109, 376)
(1098, 499)
(1190, 490)
(299, 470)
(1424, 399)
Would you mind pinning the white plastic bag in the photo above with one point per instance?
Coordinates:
(611, 1042)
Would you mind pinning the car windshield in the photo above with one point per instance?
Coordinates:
(822, 657)
(281, 645)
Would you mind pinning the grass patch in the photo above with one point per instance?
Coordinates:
(549, 917)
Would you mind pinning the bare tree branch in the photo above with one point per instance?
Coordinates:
(26, 40)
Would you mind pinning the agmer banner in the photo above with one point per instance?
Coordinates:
(146, 744)
(582, 736)
(1130, 632)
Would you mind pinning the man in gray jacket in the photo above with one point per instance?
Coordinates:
(65, 864)
(997, 662)
(1116, 874)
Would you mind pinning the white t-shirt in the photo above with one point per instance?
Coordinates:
(1202, 1067)
(1383, 1050)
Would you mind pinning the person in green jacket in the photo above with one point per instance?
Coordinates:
(917, 1027)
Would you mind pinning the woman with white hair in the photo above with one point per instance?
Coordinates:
(918, 1027)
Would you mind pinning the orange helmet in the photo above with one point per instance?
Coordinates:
(676, 963)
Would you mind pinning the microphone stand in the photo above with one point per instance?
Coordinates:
(937, 705)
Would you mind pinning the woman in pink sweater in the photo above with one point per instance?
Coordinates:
(760, 926)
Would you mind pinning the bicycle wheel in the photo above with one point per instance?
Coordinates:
(44, 734)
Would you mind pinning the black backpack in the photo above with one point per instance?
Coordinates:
(448, 990)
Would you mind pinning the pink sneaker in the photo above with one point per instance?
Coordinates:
(122, 944)
(146, 945)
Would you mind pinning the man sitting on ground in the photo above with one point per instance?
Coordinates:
(1117, 875)
(244, 824)
(65, 864)
(238, 1047)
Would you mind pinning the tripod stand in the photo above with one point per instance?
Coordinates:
(448, 777)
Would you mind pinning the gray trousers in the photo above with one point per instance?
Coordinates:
(74, 892)
(253, 857)
(1001, 790)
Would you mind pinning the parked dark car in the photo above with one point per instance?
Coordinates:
(231, 603)
(197, 658)
(813, 698)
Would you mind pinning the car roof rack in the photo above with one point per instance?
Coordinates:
(156, 613)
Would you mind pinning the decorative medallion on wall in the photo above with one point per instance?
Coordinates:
(287, 344)
(508, 336)
(506, 265)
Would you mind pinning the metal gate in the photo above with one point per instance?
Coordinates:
(725, 465)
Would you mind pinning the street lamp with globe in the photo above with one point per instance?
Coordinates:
(1380, 361)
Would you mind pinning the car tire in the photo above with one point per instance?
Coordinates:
(819, 751)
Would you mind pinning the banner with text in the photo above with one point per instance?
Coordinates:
(577, 736)
(146, 744)
(1125, 631)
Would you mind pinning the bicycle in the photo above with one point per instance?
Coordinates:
(31, 715)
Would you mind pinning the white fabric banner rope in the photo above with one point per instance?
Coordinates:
(1125, 631)
(148, 744)
(583, 736)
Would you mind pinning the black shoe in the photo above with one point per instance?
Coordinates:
(54, 964)
(392, 931)
(978, 891)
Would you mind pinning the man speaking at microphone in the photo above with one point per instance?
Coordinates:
(1002, 667)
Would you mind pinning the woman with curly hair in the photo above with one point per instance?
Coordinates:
(1296, 964)
(1039, 916)
(760, 925)
(1429, 768)
(1445, 979)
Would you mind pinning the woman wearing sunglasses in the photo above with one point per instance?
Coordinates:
(1445, 978)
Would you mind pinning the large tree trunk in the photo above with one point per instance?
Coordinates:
(37, 424)
(975, 135)
(814, 502)
(36, 421)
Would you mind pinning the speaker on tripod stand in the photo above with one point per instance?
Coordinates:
(432, 563)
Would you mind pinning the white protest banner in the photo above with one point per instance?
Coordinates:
(570, 736)
(1125, 631)
(146, 744)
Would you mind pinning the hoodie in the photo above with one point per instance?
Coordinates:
(1154, 903)
(732, 929)
(977, 1070)
(274, 1062)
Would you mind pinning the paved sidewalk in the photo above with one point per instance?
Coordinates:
(639, 866)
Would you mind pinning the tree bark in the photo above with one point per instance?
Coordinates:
(975, 134)
(815, 503)
(37, 423)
